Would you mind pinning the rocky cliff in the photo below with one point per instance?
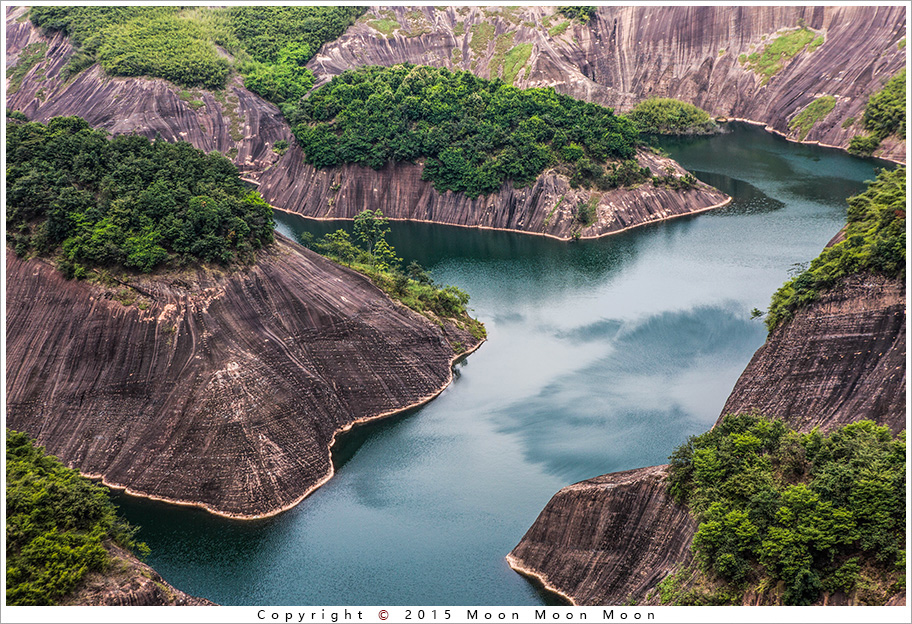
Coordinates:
(546, 207)
(840, 359)
(245, 128)
(213, 389)
(129, 582)
(608, 539)
(626, 54)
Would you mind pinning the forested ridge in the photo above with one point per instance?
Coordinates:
(89, 200)
(269, 46)
(57, 525)
(473, 134)
(782, 511)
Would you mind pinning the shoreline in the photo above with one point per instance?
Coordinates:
(526, 232)
(516, 566)
(313, 488)
(772, 130)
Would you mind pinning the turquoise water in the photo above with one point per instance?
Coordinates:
(602, 356)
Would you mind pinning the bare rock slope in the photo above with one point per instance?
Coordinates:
(245, 128)
(223, 391)
(841, 359)
(607, 539)
(626, 54)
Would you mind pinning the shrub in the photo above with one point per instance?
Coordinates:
(57, 523)
(804, 509)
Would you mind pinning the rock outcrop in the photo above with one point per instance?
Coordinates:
(245, 128)
(129, 582)
(546, 207)
(218, 390)
(607, 539)
(626, 54)
(840, 359)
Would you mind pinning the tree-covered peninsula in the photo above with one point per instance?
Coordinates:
(472, 134)
(89, 200)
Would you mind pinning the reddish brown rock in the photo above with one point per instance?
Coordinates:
(841, 359)
(219, 390)
(626, 54)
(608, 539)
(546, 207)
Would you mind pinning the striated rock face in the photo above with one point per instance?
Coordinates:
(841, 359)
(625, 54)
(607, 539)
(545, 207)
(223, 391)
(129, 583)
(236, 123)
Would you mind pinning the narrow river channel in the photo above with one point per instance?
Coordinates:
(602, 356)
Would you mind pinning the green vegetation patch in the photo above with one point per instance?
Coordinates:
(57, 523)
(775, 55)
(671, 116)
(368, 252)
(884, 115)
(875, 240)
(482, 34)
(559, 29)
(89, 200)
(580, 13)
(270, 45)
(812, 113)
(514, 61)
(474, 134)
(31, 55)
(816, 513)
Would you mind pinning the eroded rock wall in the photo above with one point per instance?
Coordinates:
(841, 359)
(608, 539)
(548, 206)
(626, 54)
(224, 391)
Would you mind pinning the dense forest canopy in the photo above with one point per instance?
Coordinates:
(875, 240)
(269, 45)
(671, 116)
(816, 512)
(473, 133)
(57, 523)
(91, 200)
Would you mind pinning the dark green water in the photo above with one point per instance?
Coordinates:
(602, 356)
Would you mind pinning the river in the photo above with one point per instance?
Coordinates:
(601, 356)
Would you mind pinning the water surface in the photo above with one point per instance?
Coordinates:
(602, 356)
